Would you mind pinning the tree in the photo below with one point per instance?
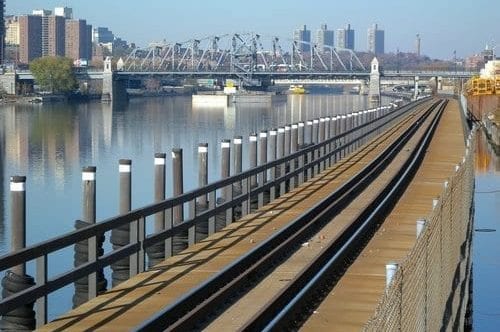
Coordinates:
(54, 74)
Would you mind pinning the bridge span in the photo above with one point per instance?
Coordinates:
(359, 221)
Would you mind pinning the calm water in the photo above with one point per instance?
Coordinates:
(51, 143)
(486, 245)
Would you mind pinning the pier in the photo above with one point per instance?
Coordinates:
(347, 206)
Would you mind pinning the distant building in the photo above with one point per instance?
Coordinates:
(324, 37)
(102, 35)
(345, 37)
(302, 35)
(65, 12)
(2, 30)
(417, 45)
(375, 40)
(44, 14)
(12, 30)
(30, 38)
(57, 36)
(78, 39)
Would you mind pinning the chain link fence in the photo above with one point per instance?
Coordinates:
(429, 291)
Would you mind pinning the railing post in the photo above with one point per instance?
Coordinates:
(293, 148)
(179, 240)
(120, 236)
(349, 126)
(262, 161)
(16, 280)
(333, 145)
(287, 140)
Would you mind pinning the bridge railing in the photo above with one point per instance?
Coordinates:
(244, 192)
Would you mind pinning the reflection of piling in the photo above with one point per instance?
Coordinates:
(157, 252)
(120, 236)
(179, 242)
(88, 250)
(16, 280)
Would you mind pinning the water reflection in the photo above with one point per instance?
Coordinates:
(486, 269)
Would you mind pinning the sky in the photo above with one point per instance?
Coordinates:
(444, 25)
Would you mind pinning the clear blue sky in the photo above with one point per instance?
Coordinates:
(444, 25)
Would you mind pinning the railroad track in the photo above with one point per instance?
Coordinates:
(196, 309)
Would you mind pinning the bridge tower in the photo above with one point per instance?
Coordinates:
(374, 92)
(113, 88)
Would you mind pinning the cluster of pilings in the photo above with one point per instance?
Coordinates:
(266, 146)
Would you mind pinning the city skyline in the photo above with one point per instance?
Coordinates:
(472, 28)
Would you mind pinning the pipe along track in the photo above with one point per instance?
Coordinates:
(192, 309)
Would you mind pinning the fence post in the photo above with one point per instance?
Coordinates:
(227, 194)
(252, 150)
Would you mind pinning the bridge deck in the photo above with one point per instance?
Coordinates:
(355, 297)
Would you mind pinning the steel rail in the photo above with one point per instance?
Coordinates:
(279, 313)
(199, 302)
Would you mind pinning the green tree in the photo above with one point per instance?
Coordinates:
(54, 74)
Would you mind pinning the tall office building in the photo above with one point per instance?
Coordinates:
(302, 35)
(78, 39)
(324, 37)
(102, 35)
(345, 37)
(375, 40)
(30, 38)
(2, 30)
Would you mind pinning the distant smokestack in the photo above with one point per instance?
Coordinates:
(417, 45)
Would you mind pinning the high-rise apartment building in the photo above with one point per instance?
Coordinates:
(57, 35)
(375, 40)
(30, 38)
(44, 14)
(345, 37)
(12, 30)
(302, 35)
(78, 39)
(324, 37)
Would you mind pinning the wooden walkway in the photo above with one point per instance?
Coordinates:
(354, 299)
(140, 297)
